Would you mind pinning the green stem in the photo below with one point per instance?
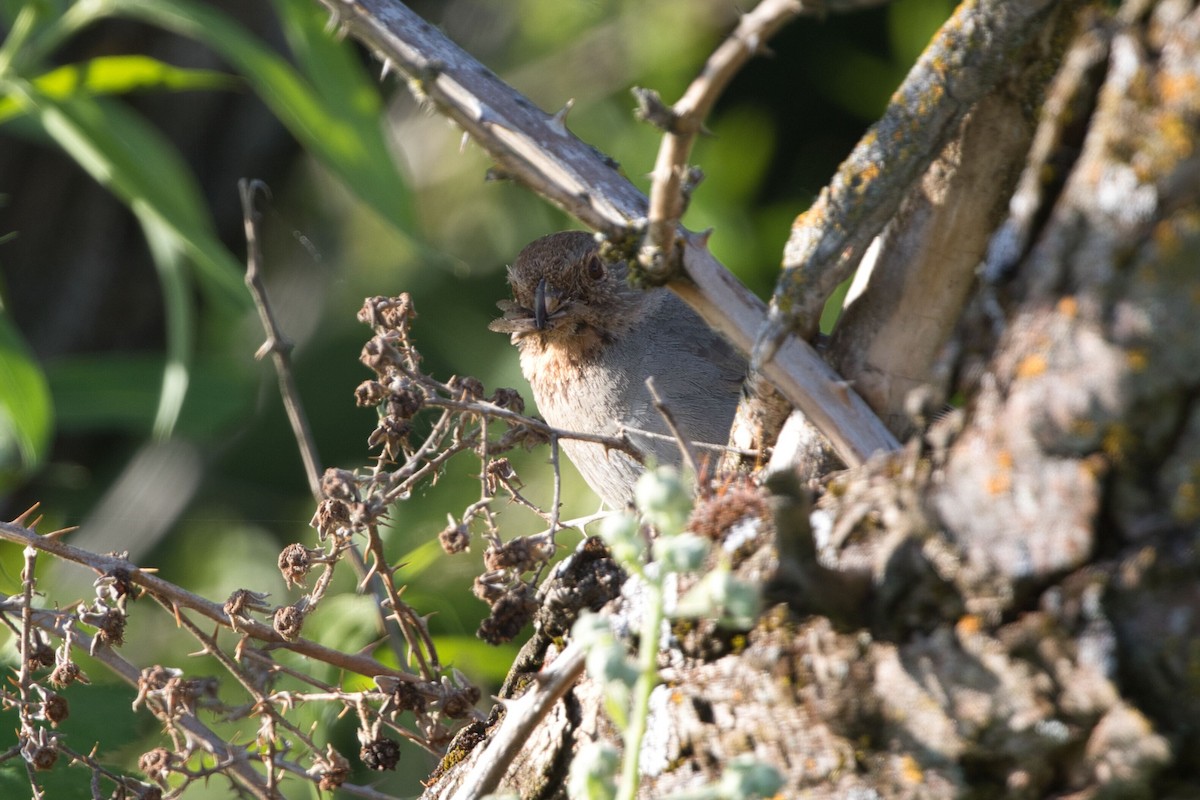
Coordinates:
(79, 16)
(639, 713)
(22, 29)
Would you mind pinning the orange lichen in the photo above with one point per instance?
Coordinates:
(1068, 306)
(999, 483)
(1117, 441)
(1138, 359)
(1177, 88)
(1032, 365)
(969, 625)
(1166, 238)
(910, 770)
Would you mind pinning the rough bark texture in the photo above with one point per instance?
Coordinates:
(1010, 607)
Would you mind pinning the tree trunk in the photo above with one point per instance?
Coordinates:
(1009, 606)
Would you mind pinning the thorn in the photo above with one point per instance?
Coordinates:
(463, 142)
(559, 121)
(703, 236)
(388, 66)
(842, 389)
(768, 343)
(24, 515)
(333, 23)
(60, 532)
(652, 109)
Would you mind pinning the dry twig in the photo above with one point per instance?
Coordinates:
(685, 120)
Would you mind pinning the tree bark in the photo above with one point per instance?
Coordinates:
(1009, 606)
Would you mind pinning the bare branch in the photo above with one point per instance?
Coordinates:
(277, 344)
(103, 564)
(668, 192)
(963, 62)
(685, 448)
(235, 758)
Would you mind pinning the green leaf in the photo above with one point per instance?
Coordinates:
(26, 412)
(117, 75)
(107, 392)
(132, 159)
(336, 116)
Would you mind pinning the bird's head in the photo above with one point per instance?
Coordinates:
(566, 295)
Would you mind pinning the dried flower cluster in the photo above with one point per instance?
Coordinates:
(425, 706)
(469, 420)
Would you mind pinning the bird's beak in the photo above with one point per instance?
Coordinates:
(540, 317)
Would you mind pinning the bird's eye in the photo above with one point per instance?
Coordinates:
(595, 267)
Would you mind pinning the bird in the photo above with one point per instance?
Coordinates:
(588, 340)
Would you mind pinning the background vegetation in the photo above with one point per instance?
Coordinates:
(130, 402)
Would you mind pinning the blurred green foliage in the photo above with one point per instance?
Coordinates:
(383, 197)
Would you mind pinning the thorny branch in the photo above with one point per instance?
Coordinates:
(673, 180)
(279, 347)
(433, 701)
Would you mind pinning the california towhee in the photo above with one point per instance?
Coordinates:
(588, 341)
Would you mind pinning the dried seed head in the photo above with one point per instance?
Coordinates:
(331, 767)
(460, 701)
(466, 388)
(369, 393)
(115, 584)
(392, 433)
(380, 753)
(288, 622)
(295, 562)
(40, 749)
(500, 472)
(404, 399)
(330, 517)
(41, 654)
(157, 764)
(66, 673)
(388, 313)
(379, 356)
(520, 555)
(407, 696)
(509, 616)
(455, 537)
(243, 602)
(340, 484)
(508, 398)
(110, 629)
(54, 708)
(491, 586)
